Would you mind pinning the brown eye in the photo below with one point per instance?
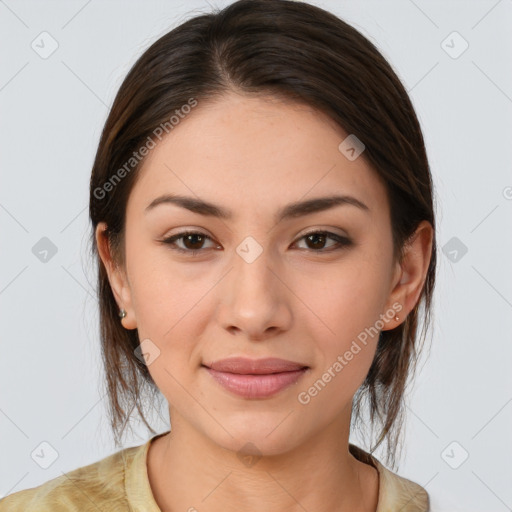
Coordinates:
(316, 241)
(192, 241)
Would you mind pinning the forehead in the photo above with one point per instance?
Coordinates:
(254, 154)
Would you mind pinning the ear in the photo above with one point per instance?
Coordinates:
(117, 278)
(410, 275)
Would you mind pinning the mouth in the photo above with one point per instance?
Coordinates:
(255, 378)
(246, 366)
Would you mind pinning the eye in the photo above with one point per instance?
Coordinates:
(319, 238)
(191, 239)
(194, 240)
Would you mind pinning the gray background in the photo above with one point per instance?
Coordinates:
(52, 113)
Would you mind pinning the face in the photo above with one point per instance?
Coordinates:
(257, 285)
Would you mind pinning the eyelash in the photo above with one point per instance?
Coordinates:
(342, 241)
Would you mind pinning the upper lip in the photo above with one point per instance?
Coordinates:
(244, 365)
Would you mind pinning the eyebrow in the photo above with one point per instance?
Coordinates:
(292, 210)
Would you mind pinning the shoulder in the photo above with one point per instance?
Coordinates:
(97, 486)
(400, 491)
(395, 491)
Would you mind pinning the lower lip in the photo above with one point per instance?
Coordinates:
(256, 386)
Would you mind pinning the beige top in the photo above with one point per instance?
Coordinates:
(120, 483)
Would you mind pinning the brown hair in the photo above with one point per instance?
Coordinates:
(290, 50)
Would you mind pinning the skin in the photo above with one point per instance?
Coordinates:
(254, 155)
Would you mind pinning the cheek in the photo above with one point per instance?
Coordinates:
(345, 302)
(345, 298)
(345, 342)
(164, 294)
(172, 313)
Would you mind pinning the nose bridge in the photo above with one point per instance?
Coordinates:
(252, 267)
(253, 298)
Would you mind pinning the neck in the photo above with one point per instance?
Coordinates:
(188, 471)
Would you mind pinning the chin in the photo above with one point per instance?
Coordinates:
(257, 436)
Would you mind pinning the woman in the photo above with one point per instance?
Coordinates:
(262, 215)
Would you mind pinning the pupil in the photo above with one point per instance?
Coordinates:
(316, 236)
(189, 237)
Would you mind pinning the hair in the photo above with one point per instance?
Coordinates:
(286, 50)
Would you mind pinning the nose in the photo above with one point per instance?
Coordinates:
(254, 300)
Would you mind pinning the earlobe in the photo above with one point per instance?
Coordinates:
(413, 270)
(117, 278)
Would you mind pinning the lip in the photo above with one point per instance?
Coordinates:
(245, 366)
(255, 378)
